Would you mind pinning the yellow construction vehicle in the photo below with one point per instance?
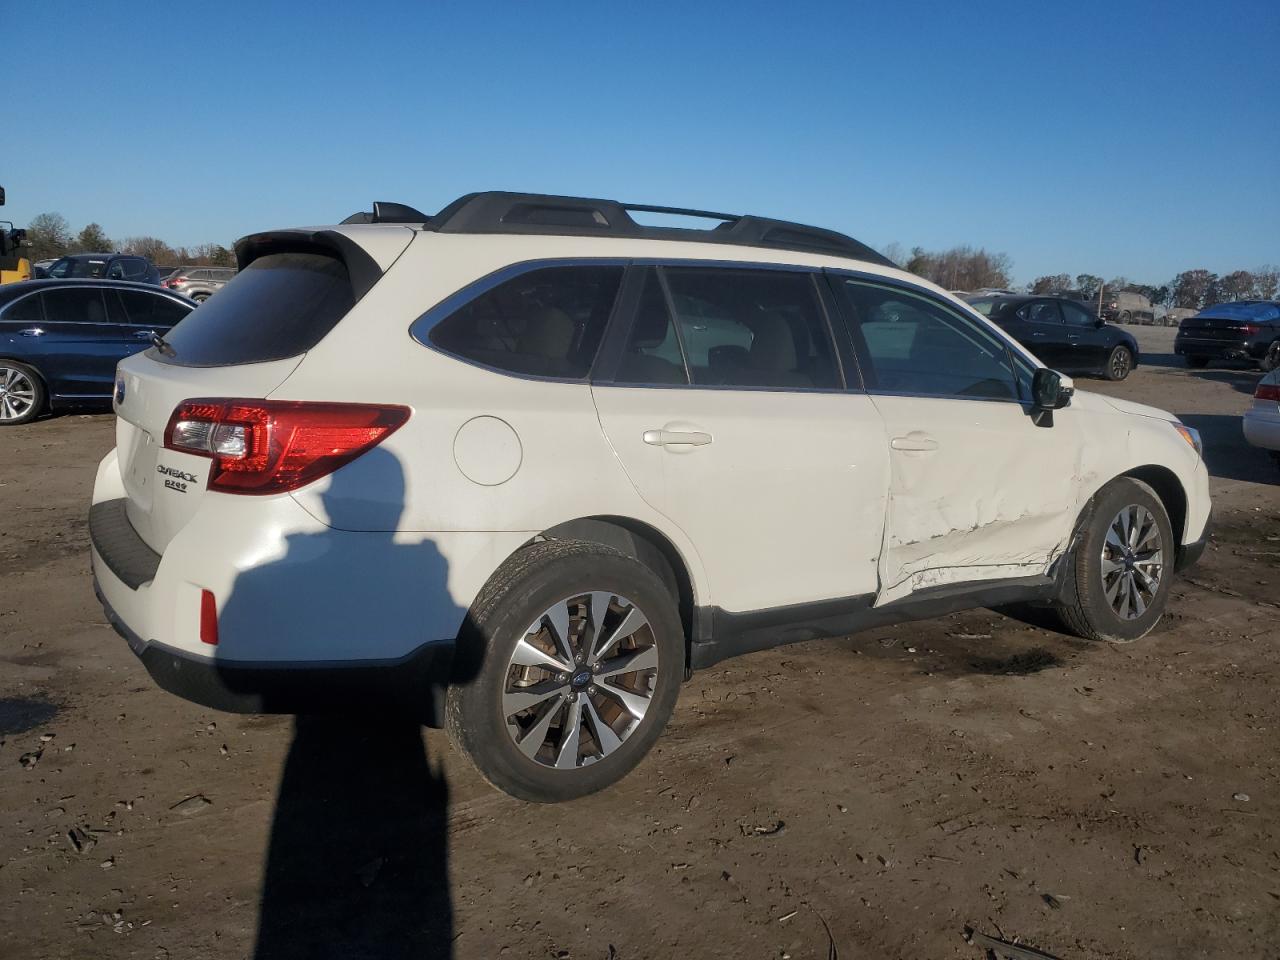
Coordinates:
(13, 265)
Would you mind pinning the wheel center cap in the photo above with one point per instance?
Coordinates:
(581, 679)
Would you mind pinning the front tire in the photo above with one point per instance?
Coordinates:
(582, 653)
(1126, 317)
(22, 395)
(1121, 569)
(1119, 363)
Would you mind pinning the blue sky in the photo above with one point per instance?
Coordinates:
(1109, 137)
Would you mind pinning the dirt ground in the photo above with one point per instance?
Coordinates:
(865, 797)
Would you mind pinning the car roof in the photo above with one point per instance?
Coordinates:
(11, 291)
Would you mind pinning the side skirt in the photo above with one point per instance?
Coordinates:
(732, 634)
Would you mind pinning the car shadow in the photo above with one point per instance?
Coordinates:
(357, 861)
(1226, 452)
(1243, 381)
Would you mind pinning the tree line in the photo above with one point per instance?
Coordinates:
(974, 268)
(49, 236)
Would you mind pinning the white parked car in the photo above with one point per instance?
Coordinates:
(528, 463)
(1262, 419)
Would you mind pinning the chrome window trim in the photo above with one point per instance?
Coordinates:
(420, 329)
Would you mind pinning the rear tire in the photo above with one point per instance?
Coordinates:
(542, 719)
(22, 393)
(1119, 363)
(1197, 363)
(1121, 569)
(1126, 317)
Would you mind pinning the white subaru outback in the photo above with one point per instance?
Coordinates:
(525, 464)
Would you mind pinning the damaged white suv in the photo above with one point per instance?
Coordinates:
(525, 464)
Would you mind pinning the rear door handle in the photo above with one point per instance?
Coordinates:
(32, 332)
(144, 334)
(671, 438)
(914, 441)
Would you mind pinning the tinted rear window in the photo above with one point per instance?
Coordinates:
(280, 306)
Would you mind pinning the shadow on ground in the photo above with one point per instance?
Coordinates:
(357, 866)
(1227, 453)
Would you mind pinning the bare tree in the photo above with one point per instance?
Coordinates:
(1088, 285)
(48, 236)
(1266, 282)
(153, 248)
(1237, 285)
(1050, 284)
(1194, 288)
(961, 268)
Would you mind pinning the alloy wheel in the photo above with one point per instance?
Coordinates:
(17, 394)
(1120, 363)
(580, 681)
(1132, 562)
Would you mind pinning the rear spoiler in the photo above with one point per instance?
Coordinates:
(362, 268)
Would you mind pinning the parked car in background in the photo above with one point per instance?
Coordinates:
(1243, 330)
(60, 340)
(1174, 316)
(1125, 306)
(104, 266)
(1063, 333)
(200, 283)
(40, 269)
(1262, 420)
(539, 461)
(166, 272)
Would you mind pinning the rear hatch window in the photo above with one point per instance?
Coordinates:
(280, 306)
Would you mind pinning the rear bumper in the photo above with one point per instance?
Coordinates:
(1227, 349)
(1261, 431)
(415, 683)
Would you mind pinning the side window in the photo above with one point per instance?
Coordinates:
(543, 323)
(116, 270)
(62, 268)
(1077, 316)
(150, 309)
(916, 345)
(135, 267)
(752, 328)
(75, 306)
(26, 310)
(652, 354)
(1041, 311)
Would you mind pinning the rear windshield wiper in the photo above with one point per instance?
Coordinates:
(162, 345)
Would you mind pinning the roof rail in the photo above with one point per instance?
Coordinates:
(534, 213)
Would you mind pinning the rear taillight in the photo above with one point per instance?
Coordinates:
(273, 446)
(208, 618)
(1267, 391)
(1251, 329)
(172, 284)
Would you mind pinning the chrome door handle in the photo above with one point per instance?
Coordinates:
(914, 441)
(32, 332)
(144, 334)
(671, 438)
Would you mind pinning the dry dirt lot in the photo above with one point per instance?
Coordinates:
(864, 797)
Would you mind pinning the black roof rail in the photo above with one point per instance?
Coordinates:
(534, 213)
(384, 211)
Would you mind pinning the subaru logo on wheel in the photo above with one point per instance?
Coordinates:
(119, 389)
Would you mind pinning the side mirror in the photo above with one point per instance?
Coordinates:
(1050, 390)
(1101, 321)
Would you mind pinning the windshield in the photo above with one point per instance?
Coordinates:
(78, 267)
(280, 306)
